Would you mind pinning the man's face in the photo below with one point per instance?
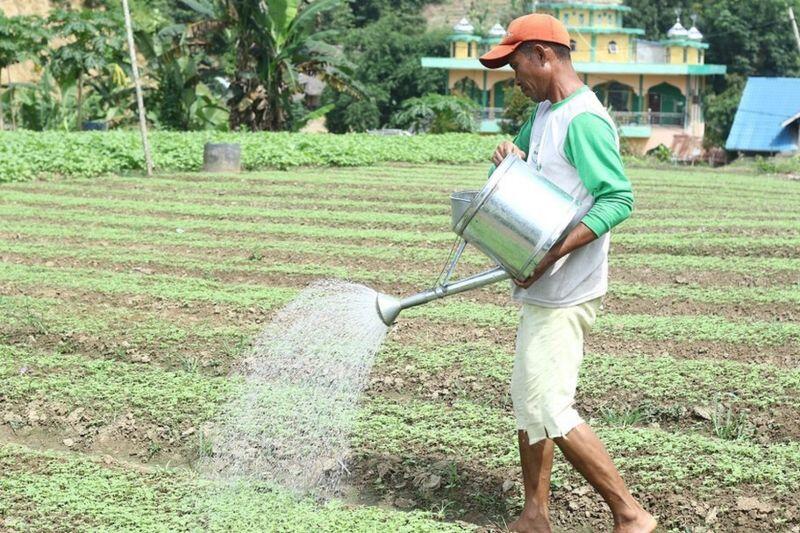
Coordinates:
(532, 73)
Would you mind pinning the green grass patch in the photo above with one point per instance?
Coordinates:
(680, 328)
(661, 380)
(110, 388)
(123, 332)
(66, 492)
(154, 285)
(650, 459)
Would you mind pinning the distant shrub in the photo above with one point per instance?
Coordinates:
(661, 153)
(26, 155)
(436, 113)
(518, 109)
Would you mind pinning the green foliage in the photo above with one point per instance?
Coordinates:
(517, 111)
(350, 114)
(622, 416)
(751, 38)
(46, 104)
(436, 113)
(21, 38)
(25, 155)
(388, 51)
(92, 49)
(182, 98)
(728, 425)
(661, 153)
(274, 42)
(719, 110)
(120, 497)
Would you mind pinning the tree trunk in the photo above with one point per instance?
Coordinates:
(2, 111)
(79, 119)
(11, 103)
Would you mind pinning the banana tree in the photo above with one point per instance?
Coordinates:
(274, 42)
(179, 78)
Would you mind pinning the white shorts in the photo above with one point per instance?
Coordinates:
(548, 356)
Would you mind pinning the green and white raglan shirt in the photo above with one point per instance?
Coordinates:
(574, 144)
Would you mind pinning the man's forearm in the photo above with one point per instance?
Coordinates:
(579, 236)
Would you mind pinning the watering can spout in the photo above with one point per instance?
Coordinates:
(388, 308)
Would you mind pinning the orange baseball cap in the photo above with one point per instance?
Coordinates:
(533, 27)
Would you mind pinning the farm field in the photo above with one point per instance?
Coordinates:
(126, 301)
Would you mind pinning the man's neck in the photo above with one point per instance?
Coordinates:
(563, 85)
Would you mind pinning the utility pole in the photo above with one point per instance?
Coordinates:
(794, 27)
(138, 84)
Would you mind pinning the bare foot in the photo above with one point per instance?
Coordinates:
(530, 522)
(642, 523)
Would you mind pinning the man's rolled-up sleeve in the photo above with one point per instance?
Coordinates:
(591, 147)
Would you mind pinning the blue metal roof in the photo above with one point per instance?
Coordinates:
(765, 105)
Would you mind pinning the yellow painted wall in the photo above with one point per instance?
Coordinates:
(681, 55)
(636, 145)
(603, 41)
(583, 47)
(461, 50)
(678, 81)
(631, 80)
(455, 76)
(605, 19)
(585, 17)
(693, 56)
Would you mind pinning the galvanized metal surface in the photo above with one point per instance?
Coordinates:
(516, 218)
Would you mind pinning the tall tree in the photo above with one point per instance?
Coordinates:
(21, 38)
(388, 53)
(91, 43)
(274, 42)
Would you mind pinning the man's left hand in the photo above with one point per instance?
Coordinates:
(527, 282)
(579, 236)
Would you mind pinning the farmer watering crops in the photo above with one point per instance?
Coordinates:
(570, 139)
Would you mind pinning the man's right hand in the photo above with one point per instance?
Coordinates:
(505, 148)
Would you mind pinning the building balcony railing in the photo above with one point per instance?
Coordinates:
(644, 118)
(621, 118)
(491, 113)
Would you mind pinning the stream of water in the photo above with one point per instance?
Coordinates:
(291, 421)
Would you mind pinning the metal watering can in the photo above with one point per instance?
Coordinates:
(515, 219)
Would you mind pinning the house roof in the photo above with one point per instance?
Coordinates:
(765, 111)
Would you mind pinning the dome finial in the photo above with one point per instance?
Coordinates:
(497, 31)
(464, 26)
(677, 31)
(694, 34)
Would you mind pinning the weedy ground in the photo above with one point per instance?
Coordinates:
(126, 302)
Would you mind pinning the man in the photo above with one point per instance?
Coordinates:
(571, 140)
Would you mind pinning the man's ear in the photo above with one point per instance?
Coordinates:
(540, 53)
